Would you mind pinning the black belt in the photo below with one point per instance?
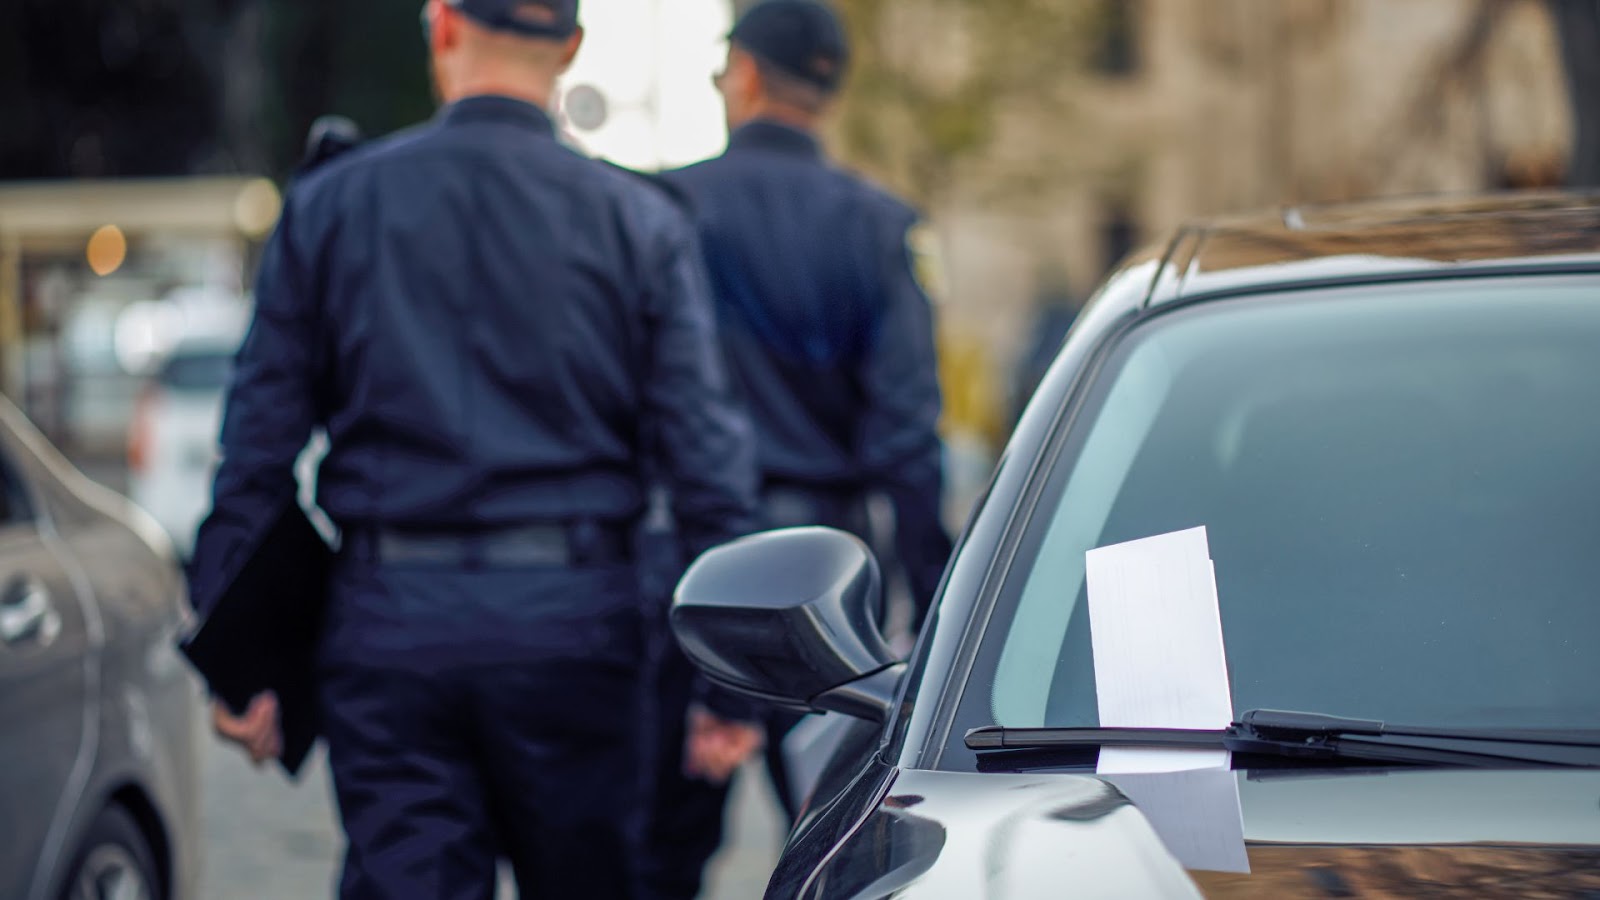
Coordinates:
(786, 504)
(576, 544)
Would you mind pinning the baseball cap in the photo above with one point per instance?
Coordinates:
(530, 18)
(802, 38)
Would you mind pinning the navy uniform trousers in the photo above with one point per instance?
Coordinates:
(474, 710)
(685, 821)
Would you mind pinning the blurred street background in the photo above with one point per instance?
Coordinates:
(145, 146)
(286, 842)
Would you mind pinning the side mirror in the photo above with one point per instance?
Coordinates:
(787, 617)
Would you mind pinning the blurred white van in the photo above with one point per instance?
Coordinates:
(173, 444)
(172, 447)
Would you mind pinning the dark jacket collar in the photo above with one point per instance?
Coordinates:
(775, 137)
(496, 108)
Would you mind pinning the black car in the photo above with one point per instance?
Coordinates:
(1387, 417)
(101, 723)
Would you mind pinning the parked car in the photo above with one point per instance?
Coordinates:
(1386, 418)
(102, 722)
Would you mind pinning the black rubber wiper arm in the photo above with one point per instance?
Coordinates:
(1313, 735)
(996, 737)
(1277, 723)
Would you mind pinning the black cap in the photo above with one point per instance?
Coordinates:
(802, 38)
(529, 18)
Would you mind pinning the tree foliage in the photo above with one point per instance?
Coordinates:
(934, 81)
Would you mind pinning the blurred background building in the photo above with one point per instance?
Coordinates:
(145, 144)
(1048, 138)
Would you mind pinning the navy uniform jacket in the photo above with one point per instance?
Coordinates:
(829, 336)
(488, 326)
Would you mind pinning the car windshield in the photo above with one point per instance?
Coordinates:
(1401, 486)
(197, 370)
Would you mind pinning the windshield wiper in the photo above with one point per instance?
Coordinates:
(1315, 736)
(998, 737)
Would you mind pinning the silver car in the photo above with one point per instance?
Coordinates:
(101, 724)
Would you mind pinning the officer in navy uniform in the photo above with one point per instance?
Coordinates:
(487, 326)
(829, 338)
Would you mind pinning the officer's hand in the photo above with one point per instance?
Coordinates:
(256, 731)
(715, 747)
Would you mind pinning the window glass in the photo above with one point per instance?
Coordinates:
(1401, 487)
(15, 505)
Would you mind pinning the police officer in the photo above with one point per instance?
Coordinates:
(486, 325)
(829, 337)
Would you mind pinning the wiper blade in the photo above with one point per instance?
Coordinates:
(1317, 736)
(1277, 723)
(1320, 736)
(996, 737)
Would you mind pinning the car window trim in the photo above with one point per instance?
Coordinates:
(1466, 272)
(976, 628)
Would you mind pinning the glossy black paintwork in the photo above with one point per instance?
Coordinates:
(880, 819)
(1395, 833)
(869, 697)
(785, 616)
(827, 825)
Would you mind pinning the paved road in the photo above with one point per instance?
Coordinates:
(268, 838)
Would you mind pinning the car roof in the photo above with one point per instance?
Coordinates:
(205, 345)
(1388, 240)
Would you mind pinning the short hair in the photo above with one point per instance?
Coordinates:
(528, 49)
(791, 90)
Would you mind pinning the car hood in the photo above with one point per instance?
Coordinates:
(1342, 833)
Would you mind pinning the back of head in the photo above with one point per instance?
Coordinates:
(555, 20)
(802, 39)
(801, 49)
(513, 47)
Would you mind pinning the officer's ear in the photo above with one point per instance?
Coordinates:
(569, 49)
(447, 31)
(743, 76)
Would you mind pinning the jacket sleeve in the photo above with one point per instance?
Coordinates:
(704, 442)
(899, 448)
(268, 416)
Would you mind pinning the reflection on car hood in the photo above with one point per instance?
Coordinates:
(1370, 833)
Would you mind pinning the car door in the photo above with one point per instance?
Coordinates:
(45, 684)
